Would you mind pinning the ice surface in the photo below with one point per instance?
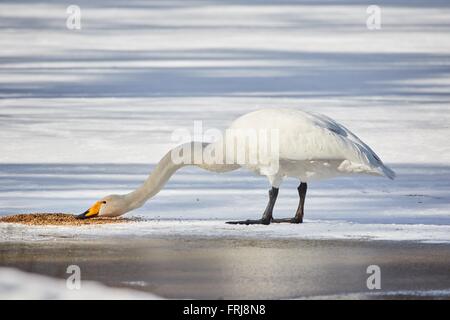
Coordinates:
(317, 230)
(87, 113)
(401, 294)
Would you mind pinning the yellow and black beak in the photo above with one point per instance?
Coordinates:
(92, 212)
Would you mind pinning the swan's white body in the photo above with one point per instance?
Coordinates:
(310, 147)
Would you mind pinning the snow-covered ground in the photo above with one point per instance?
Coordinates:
(15, 284)
(87, 113)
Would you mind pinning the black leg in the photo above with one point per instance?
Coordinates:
(300, 210)
(267, 215)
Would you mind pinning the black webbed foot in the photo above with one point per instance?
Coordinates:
(248, 222)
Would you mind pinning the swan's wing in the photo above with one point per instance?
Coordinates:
(325, 139)
(351, 142)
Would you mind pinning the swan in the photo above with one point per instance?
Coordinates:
(304, 145)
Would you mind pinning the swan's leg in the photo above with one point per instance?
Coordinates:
(299, 214)
(267, 215)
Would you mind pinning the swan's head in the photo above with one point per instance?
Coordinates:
(109, 206)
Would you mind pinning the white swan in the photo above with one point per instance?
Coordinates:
(308, 146)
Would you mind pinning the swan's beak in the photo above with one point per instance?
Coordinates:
(91, 212)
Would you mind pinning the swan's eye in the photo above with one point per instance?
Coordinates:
(103, 202)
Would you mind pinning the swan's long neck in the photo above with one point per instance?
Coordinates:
(166, 168)
(155, 181)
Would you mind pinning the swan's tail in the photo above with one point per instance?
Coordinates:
(386, 171)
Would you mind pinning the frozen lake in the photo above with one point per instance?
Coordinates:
(85, 113)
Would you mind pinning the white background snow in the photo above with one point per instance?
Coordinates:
(89, 112)
(15, 284)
